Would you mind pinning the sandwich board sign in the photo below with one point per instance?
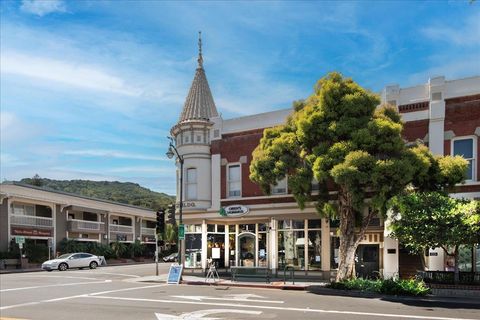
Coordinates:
(174, 274)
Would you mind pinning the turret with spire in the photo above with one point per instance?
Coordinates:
(192, 139)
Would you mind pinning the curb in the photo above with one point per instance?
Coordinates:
(244, 285)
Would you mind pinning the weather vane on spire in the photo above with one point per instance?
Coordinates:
(200, 58)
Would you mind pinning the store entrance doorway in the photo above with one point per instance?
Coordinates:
(247, 248)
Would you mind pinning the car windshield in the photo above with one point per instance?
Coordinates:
(63, 256)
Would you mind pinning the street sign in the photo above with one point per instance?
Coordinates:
(19, 240)
(181, 232)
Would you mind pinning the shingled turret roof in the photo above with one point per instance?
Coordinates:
(199, 104)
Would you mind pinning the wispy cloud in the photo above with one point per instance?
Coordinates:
(113, 154)
(467, 34)
(65, 72)
(42, 7)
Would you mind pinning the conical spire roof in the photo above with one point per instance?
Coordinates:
(199, 104)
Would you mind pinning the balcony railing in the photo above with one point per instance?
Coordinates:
(23, 220)
(85, 226)
(148, 231)
(121, 228)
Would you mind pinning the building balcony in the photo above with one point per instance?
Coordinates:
(32, 221)
(148, 232)
(118, 228)
(83, 226)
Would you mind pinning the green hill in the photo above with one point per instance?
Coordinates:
(123, 192)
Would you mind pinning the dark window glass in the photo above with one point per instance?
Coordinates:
(210, 228)
(231, 228)
(220, 228)
(262, 227)
(315, 224)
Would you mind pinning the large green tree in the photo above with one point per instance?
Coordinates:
(340, 137)
(422, 220)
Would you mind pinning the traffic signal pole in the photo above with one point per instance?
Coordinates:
(156, 254)
(160, 228)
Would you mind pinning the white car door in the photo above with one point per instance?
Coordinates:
(75, 261)
(86, 259)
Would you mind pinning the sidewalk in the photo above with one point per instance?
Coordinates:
(317, 287)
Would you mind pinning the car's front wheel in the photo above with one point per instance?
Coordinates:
(93, 265)
(63, 266)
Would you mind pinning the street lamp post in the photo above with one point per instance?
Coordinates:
(170, 154)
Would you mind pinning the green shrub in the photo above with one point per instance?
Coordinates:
(390, 286)
(36, 252)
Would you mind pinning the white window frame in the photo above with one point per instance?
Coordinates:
(228, 179)
(474, 154)
(188, 183)
(274, 192)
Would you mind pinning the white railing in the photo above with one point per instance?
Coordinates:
(148, 231)
(86, 225)
(120, 228)
(24, 220)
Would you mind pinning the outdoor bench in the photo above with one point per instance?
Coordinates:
(250, 272)
(5, 263)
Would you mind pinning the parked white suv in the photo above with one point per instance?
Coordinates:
(72, 260)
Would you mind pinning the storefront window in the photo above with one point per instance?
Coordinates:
(216, 249)
(210, 228)
(477, 258)
(193, 228)
(291, 249)
(314, 250)
(232, 249)
(465, 259)
(247, 228)
(193, 250)
(231, 228)
(334, 249)
(220, 228)
(262, 250)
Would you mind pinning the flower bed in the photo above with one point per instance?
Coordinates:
(390, 286)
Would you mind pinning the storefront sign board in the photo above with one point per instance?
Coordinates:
(234, 211)
(174, 274)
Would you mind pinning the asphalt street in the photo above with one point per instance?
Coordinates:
(121, 293)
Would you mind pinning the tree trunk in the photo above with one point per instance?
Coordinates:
(346, 255)
(423, 259)
(456, 276)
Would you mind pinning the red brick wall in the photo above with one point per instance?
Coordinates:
(462, 116)
(414, 130)
(231, 148)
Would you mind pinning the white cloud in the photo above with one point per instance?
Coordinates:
(42, 7)
(113, 154)
(73, 74)
(466, 35)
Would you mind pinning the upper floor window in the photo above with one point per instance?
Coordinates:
(280, 187)
(234, 181)
(466, 147)
(24, 209)
(191, 184)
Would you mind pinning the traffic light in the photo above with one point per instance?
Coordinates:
(171, 214)
(161, 221)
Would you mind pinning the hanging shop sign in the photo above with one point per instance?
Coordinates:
(233, 211)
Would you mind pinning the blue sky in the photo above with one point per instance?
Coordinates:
(90, 89)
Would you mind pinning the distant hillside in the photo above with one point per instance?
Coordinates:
(123, 192)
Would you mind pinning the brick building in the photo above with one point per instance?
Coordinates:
(229, 219)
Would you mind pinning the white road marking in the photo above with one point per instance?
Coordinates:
(381, 315)
(127, 289)
(231, 297)
(55, 285)
(76, 296)
(199, 314)
(53, 276)
(119, 274)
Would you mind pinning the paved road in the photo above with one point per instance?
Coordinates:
(116, 293)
